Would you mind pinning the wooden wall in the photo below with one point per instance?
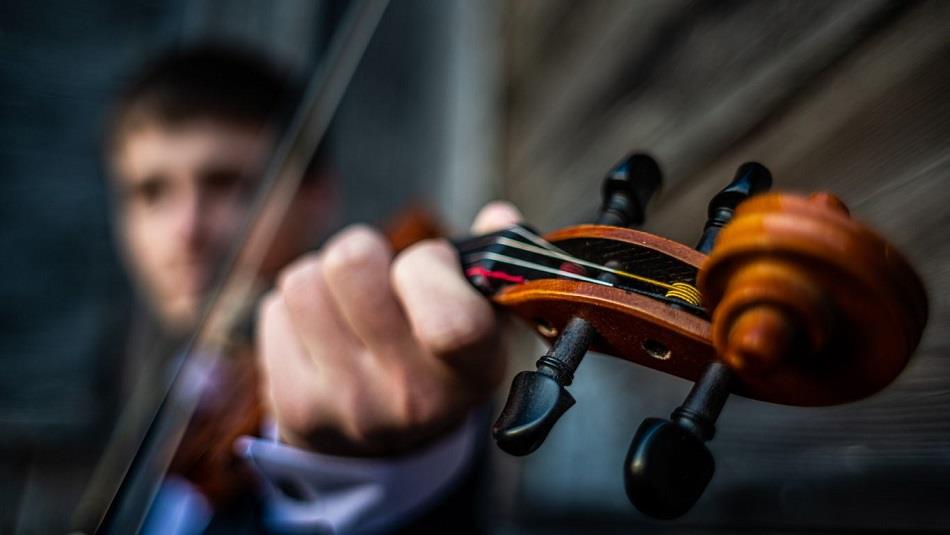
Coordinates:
(850, 97)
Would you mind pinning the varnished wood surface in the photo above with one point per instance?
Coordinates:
(677, 250)
(627, 323)
(810, 305)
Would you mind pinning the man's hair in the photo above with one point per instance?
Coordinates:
(224, 83)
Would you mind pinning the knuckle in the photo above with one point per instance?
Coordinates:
(299, 276)
(496, 215)
(471, 319)
(468, 326)
(411, 262)
(355, 246)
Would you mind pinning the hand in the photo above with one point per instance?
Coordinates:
(366, 354)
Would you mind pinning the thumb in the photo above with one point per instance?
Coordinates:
(494, 216)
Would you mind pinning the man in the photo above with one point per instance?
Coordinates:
(372, 363)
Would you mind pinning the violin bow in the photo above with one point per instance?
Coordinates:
(123, 489)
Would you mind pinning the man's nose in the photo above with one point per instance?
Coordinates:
(192, 220)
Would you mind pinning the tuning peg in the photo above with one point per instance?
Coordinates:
(668, 464)
(751, 178)
(536, 403)
(627, 189)
(537, 400)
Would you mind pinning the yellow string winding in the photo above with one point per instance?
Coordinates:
(686, 292)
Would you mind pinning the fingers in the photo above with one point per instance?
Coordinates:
(495, 216)
(445, 312)
(338, 315)
(311, 309)
(448, 317)
(356, 265)
(288, 372)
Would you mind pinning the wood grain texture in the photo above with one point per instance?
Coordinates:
(809, 306)
(630, 326)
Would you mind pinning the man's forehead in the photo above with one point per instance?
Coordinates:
(159, 148)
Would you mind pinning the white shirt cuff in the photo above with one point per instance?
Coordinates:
(340, 495)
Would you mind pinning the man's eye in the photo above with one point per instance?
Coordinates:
(224, 181)
(151, 192)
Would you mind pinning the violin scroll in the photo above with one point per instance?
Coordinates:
(809, 304)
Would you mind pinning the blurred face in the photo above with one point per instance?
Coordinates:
(183, 193)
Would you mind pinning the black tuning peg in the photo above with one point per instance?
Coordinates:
(668, 465)
(627, 189)
(538, 399)
(751, 178)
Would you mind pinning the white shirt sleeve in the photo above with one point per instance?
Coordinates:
(317, 493)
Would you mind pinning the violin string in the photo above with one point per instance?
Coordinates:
(574, 260)
(680, 290)
(480, 242)
(505, 259)
(537, 240)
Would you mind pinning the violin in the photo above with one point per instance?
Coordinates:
(785, 299)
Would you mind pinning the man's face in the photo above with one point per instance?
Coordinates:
(183, 193)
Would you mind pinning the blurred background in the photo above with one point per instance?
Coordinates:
(459, 102)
